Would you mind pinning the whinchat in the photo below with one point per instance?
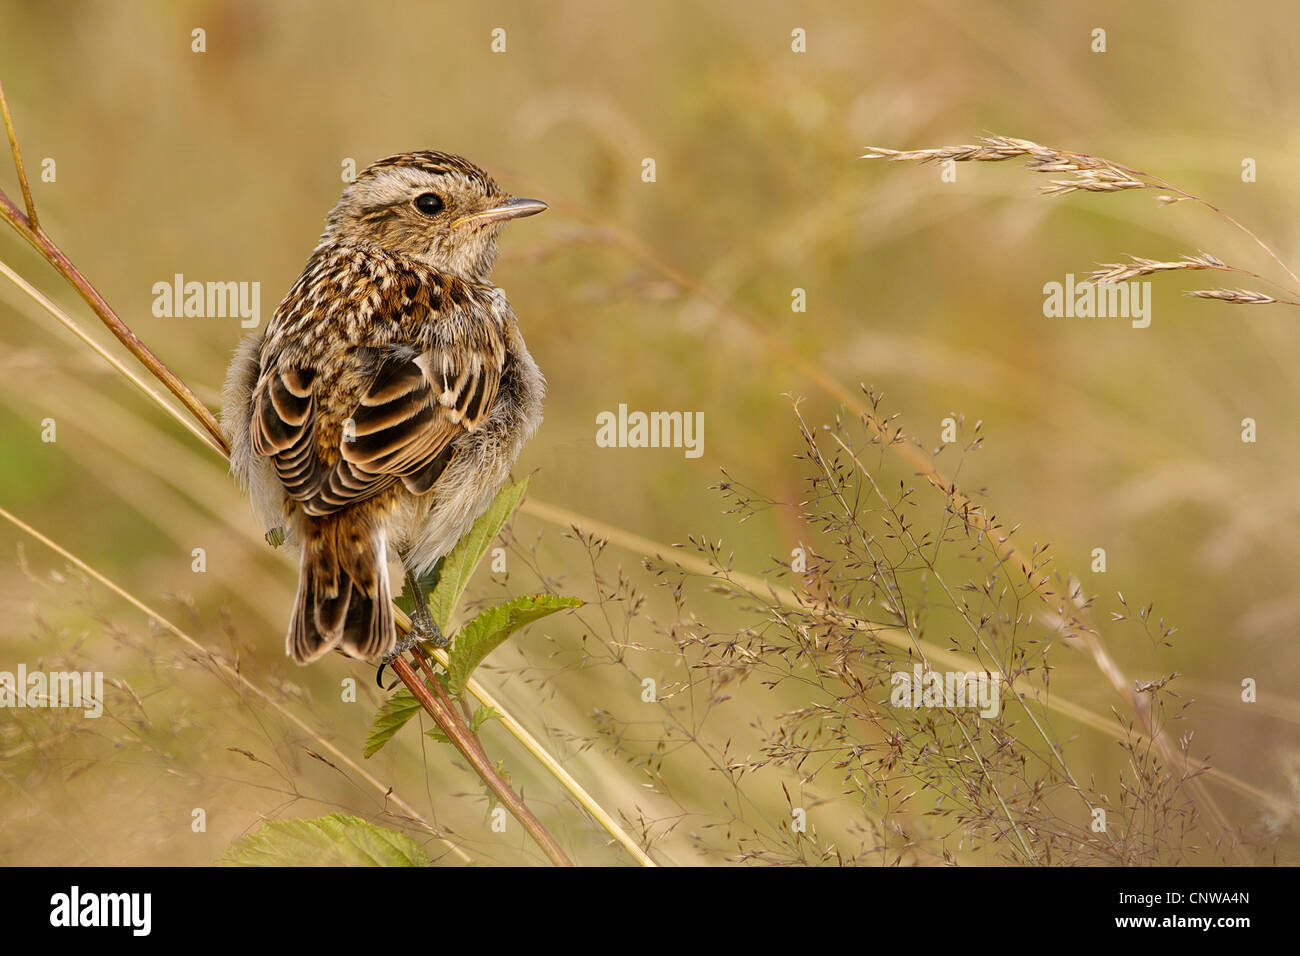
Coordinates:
(387, 399)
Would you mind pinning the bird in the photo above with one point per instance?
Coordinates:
(383, 405)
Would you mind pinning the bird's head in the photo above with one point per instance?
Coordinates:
(431, 206)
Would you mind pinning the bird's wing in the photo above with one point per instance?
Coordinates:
(400, 430)
(404, 424)
(284, 428)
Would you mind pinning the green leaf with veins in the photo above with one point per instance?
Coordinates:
(490, 629)
(458, 566)
(335, 840)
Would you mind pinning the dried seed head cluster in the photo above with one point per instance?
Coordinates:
(1137, 266)
(1092, 173)
(1238, 296)
(1095, 174)
(388, 396)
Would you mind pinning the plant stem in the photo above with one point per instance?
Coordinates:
(18, 161)
(444, 715)
(28, 226)
(65, 320)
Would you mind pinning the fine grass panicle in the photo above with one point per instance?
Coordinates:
(896, 583)
(844, 659)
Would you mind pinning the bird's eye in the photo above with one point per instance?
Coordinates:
(429, 203)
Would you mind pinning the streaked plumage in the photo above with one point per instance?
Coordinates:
(389, 395)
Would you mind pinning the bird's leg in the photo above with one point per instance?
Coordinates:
(423, 629)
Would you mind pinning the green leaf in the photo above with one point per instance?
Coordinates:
(335, 840)
(397, 710)
(458, 566)
(489, 630)
(481, 716)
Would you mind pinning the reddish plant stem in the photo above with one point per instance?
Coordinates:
(52, 254)
(28, 225)
(18, 161)
(444, 715)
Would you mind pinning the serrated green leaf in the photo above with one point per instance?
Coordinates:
(397, 710)
(335, 840)
(458, 566)
(489, 630)
(482, 714)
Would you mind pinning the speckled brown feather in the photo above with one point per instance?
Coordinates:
(413, 357)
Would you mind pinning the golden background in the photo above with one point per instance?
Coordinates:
(221, 166)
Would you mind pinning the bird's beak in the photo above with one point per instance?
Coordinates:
(510, 209)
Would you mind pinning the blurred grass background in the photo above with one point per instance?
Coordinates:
(222, 165)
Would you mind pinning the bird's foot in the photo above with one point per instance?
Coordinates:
(423, 631)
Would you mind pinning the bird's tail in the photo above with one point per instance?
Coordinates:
(343, 595)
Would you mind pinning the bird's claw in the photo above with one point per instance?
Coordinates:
(423, 631)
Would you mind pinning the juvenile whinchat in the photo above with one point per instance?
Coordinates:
(385, 402)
